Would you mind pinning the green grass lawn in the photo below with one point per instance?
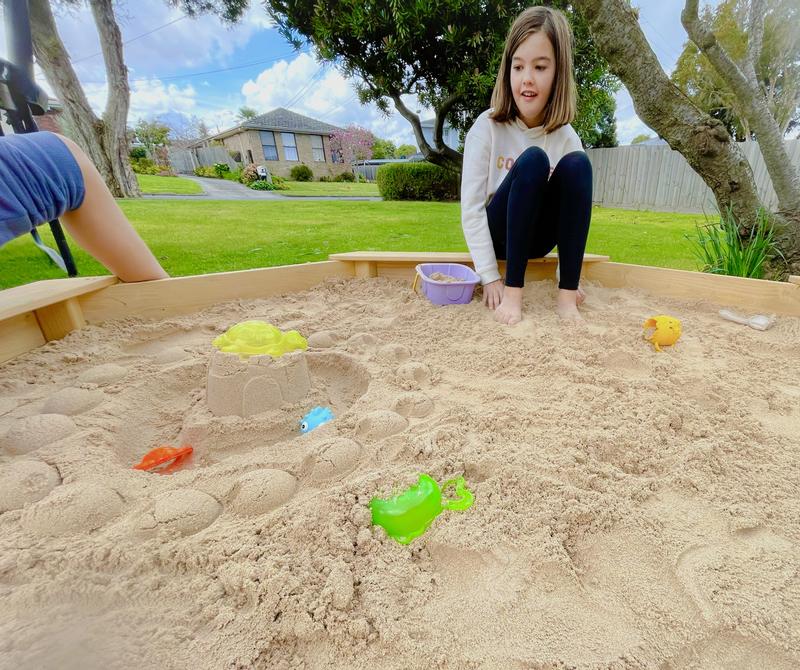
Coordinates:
(330, 188)
(154, 184)
(200, 236)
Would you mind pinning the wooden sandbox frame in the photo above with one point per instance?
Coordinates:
(37, 313)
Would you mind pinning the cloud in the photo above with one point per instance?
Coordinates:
(149, 99)
(316, 89)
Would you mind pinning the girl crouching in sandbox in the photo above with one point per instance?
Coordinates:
(44, 176)
(524, 159)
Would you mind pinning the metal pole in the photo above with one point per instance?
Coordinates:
(18, 35)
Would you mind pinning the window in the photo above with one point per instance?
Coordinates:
(317, 148)
(289, 147)
(268, 142)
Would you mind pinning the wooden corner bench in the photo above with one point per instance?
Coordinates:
(33, 314)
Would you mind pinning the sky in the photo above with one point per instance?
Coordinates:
(199, 67)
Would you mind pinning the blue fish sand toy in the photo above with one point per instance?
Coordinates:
(315, 418)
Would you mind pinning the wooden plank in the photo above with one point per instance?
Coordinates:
(59, 319)
(757, 295)
(19, 334)
(793, 279)
(365, 269)
(26, 298)
(384, 257)
(183, 295)
(406, 271)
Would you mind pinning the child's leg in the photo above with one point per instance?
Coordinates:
(514, 214)
(568, 206)
(100, 227)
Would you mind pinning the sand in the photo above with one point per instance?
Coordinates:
(633, 509)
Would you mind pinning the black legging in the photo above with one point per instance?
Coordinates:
(529, 215)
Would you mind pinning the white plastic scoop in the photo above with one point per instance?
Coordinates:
(759, 321)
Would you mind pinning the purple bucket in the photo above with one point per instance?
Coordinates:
(447, 293)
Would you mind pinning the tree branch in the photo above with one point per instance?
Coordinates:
(755, 37)
(413, 119)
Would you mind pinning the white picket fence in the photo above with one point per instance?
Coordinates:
(660, 179)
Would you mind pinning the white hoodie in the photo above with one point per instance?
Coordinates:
(490, 150)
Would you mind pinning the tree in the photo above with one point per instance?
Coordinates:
(776, 69)
(383, 148)
(352, 143)
(245, 114)
(102, 138)
(703, 140)
(405, 150)
(446, 53)
(183, 129)
(641, 138)
(152, 135)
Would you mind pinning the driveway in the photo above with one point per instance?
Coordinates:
(224, 189)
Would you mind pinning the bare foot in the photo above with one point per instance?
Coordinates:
(509, 311)
(581, 296)
(567, 305)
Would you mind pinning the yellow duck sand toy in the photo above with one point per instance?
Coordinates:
(667, 330)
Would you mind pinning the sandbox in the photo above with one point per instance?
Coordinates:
(632, 508)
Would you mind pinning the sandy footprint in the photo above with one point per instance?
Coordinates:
(25, 481)
(33, 432)
(262, 491)
(73, 508)
(380, 424)
(413, 404)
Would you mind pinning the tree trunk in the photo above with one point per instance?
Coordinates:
(701, 139)
(442, 155)
(103, 140)
(744, 84)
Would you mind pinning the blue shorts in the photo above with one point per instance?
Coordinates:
(39, 181)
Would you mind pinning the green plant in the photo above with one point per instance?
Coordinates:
(279, 183)
(301, 173)
(205, 171)
(325, 178)
(417, 181)
(145, 166)
(137, 153)
(262, 185)
(221, 168)
(345, 176)
(721, 249)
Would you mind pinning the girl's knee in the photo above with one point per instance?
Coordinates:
(533, 162)
(575, 161)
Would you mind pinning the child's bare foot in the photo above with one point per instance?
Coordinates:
(509, 311)
(581, 296)
(567, 305)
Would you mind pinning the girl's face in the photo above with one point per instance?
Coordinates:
(533, 69)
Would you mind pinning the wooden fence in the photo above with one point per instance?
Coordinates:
(184, 161)
(660, 179)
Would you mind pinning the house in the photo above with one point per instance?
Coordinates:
(449, 134)
(279, 140)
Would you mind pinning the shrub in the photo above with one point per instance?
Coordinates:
(262, 185)
(205, 171)
(345, 176)
(721, 250)
(324, 178)
(232, 175)
(279, 183)
(145, 166)
(301, 173)
(417, 181)
(249, 174)
(221, 169)
(137, 153)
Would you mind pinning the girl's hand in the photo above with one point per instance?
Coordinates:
(493, 293)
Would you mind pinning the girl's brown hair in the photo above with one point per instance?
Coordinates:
(560, 108)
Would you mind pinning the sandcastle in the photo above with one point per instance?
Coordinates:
(256, 368)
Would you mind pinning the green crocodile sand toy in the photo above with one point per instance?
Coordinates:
(408, 515)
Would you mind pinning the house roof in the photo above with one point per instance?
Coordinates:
(283, 119)
(279, 119)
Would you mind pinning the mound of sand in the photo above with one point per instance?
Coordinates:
(633, 509)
